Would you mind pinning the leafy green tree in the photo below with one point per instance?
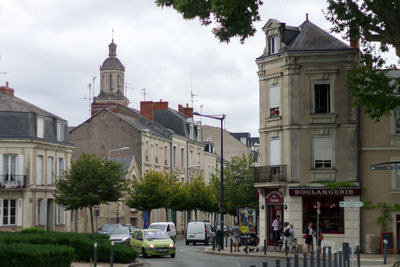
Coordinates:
(89, 182)
(239, 190)
(148, 192)
(370, 21)
(232, 18)
(175, 194)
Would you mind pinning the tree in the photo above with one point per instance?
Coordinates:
(370, 21)
(89, 182)
(239, 190)
(175, 194)
(148, 192)
(232, 18)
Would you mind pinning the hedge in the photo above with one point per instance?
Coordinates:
(23, 254)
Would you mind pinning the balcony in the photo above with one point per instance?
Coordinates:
(12, 181)
(272, 173)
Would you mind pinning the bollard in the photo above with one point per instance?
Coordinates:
(265, 247)
(318, 257)
(95, 254)
(265, 264)
(296, 260)
(344, 253)
(286, 248)
(329, 257)
(213, 243)
(287, 261)
(278, 263)
(324, 257)
(231, 244)
(340, 259)
(385, 242)
(245, 242)
(226, 241)
(312, 258)
(358, 256)
(335, 260)
(304, 259)
(112, 254)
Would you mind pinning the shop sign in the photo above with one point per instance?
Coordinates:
(274, 198)
(324, 192)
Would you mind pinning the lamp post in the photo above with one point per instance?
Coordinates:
(221, 204)
(109, 158)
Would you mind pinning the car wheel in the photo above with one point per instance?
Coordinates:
(194, 243)
(187, 243)
(172, 255)
(144, 253)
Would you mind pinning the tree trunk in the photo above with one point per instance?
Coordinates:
(166, 215)
(91, 217)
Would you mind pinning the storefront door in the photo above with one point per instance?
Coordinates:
(273, 212)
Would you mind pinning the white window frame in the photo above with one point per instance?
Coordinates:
(60, 167)
(60, 131)
(50, 163)
(8, 215)
(274, 100)
(273, 44)
(147, 151)
(60, 214)
(166, 155)
(322, 161)
(40, 127)
(313, 102)
(39, 170)
(156, 154)
(9, 165)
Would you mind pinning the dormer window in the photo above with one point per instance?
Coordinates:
(273, 45)
(60, 131)
(40, 127)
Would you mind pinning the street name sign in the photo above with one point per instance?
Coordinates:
(351, 204)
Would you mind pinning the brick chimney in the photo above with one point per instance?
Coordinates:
(187, 111)
(146, 109)
(162, 105)
(6, 90)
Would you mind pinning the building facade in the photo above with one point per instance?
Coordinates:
(35, 149)
(308, 132)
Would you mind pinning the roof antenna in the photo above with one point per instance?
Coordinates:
(112, 35)
(306, 16)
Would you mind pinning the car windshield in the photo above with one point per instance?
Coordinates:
(120, 230)
(156, 235)
(158, 226)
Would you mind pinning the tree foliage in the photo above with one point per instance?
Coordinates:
(231, 18)
(200, 196)
(89, 182)
(370, 21)
(239, 190)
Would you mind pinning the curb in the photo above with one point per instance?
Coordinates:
(135, 264)
(210, 251)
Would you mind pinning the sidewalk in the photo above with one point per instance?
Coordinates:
(375, 258)
(106, 264)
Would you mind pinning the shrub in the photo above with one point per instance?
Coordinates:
(122, 253)
(33, 230)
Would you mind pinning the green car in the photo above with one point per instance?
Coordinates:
(152, 242)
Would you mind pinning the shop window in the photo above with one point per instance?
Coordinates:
(274, 100)
(331, 217)
(322, 97)
(322, 152)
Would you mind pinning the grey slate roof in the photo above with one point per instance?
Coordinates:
(112, 63)
(312, 37)
(126, 162)
(173, 120)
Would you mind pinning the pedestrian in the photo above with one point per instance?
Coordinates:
(236, 237)
(288, 236)
(308, 234)
(319, 238)
(276, 225)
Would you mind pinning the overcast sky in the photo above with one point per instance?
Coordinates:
(52, 49)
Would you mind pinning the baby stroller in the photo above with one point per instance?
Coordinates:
(252, 242)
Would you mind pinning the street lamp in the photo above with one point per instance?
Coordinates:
(108, 206)
(221, 204)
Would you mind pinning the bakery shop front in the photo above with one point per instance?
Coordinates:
(298, 205)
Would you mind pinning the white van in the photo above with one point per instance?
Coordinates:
(199, 232)
(168, 227)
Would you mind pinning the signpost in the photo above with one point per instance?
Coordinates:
(351, 205)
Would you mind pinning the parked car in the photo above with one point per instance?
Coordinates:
(121, 234)
(168, 227)
(199, 232)
(152, 242)
(132, 227)
(105, 229)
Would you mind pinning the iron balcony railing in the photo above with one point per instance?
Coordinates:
(12, 181)
(272, 173)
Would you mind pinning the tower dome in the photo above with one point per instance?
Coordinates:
(112, 62)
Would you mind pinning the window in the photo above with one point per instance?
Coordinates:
(110, 82)
(274, 100)
(191, 160)
(147, 151)
(322, 151)
(50, 170)
(40, 212)
(9, 165)
(174, 157)
(60, 167)
(60, 131)
(39, 170)
(156, 154)
(397, 180)
(331, 217)
(321, 97)
(191, 132)
(243, 140)
(9, 211)
(182, 157)
(40, 128)
(60, 214)
(275, 151)
(397, 121)
(198, 159)
(273, 44)
(166, 155)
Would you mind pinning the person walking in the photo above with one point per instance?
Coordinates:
(236, 237)
(309, 233)
(276, 224)
(288, 236)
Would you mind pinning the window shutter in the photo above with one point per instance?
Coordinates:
(43, 218)
(37, 212)
(19, 212)
(1, 212)
(57, 207)
(275, 151)
(274, 96)
(20, 164)
(322, 148)
(1, 164)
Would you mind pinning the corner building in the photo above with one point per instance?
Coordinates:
(308, 132)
